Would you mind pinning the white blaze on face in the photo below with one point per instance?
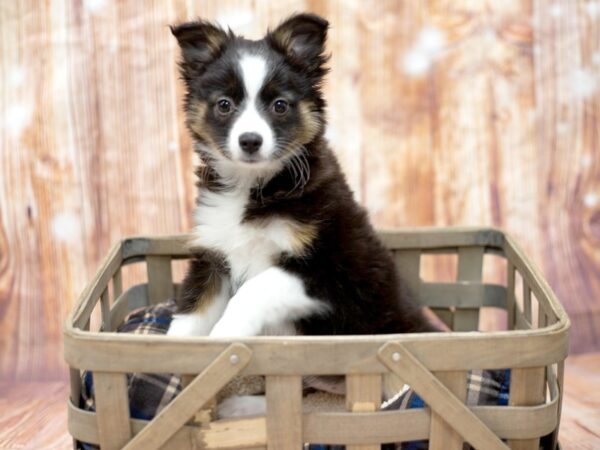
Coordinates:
(254, 71)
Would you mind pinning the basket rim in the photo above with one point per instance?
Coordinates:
(129, 248)
(553, 339)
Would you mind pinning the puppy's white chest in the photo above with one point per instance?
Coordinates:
(249, 247)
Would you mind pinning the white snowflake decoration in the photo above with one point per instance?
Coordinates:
(416, 63)
(591, 199)
(431, 40)
(65, 227)
(235, 19)
(582, 83)
(94, 6)
(592, 9)
(555, 11)
(18, 117)
(586, 160)
(16, 76)
(418, 59)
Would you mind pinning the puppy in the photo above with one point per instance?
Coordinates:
(281, 245)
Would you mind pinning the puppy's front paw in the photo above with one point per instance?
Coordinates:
(188, 325)
(232, 328)
(221, 329)
(242, 405)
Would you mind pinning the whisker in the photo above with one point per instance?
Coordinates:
(299, 162)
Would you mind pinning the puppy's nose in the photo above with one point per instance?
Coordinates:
(250, 142)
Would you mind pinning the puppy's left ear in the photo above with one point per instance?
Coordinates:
(301, 38)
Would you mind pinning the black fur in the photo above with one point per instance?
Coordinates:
(345, 265)
(203, 278)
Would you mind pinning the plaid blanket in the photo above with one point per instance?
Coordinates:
(150, 393)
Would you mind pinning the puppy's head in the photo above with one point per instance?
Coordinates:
(254, 104)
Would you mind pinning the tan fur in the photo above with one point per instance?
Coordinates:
(195, 118)
(284, 38)
(303, 235)
(310, 121)
(215, 41)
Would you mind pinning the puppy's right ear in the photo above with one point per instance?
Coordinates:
(201, 43)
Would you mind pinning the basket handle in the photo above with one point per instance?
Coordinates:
(441, 400)
(205, 386)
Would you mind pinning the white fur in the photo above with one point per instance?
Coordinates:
(242, 405)
(250, 248)
(273, 298)
(254, 71)
(200, 323)
(237, 173)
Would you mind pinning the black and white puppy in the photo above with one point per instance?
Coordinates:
(282, 246)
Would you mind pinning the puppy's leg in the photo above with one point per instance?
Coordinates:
(204, 296)
(274, 298)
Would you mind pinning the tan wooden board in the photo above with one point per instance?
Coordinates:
(363, 394)
(112, 408)
(284, 412)
(442, 435)
(279, 355)
(527, 387)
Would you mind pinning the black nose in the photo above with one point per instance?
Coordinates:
(250, 142)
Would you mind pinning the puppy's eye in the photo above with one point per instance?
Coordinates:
(224, 106)
(280, 106)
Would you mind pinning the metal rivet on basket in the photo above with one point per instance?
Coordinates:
(234, 359)
(396, 356)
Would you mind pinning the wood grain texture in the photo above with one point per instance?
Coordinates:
(527, 388)
(443, 436)
(34, 416)
(112, 405)
(580, 419)
(363, 394)
(441, 112)
(284, 418)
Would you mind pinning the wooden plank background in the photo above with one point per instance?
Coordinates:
(441, 112)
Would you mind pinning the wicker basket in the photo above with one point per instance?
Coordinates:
(435, 365)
